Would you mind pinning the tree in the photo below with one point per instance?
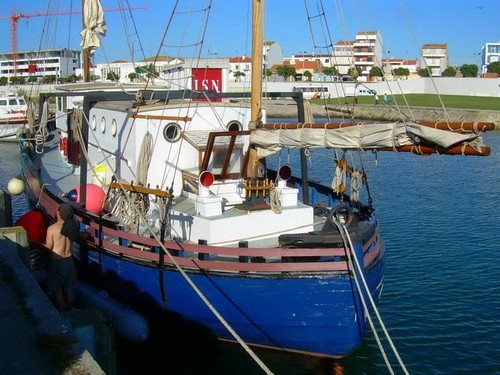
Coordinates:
(286, 71)
(424, 72)
(401, 72)
(268, 73)
(494, 67)
(112, 76)
(308, 75)
(237, 75)
(3, 80)
(330, 71)
(354, 72)
(32, 79)
(132, 76)
(376, 71)
(49, 78)
(469, 70)
(449, 72)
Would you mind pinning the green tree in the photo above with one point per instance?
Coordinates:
(354, 72)
(49, 78)
(237, 75)
(469, 70)
(32, 79)
(376, 71)
(401, 72)
(308, 75)
(285, 71)
(494, 67)
(3, 80)
(132, 76)
(330, 71)
(112, 76)
(268, 73)
(424, 72)
(449, 72)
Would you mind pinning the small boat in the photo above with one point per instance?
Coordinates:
(13, 115)
(184, 212)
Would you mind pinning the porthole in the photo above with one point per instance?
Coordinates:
(234, 126)
(103, 124)
(114, 128)
(172, 132)
(93, 123)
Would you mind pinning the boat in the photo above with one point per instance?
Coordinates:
(13, 115)
(180, 211)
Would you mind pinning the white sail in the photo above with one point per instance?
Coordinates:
(358, 137)
(94, 25)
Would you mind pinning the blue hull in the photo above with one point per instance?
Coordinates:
(313, 315)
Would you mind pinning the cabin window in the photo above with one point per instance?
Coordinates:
(3, 102)
(172, 132)
(114, 128)
(93, 123)
(234, 126)
(103, 124)
(12, 102)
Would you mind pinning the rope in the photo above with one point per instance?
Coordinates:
(274, 199)
(375, 309)
(144, 159)
(41, 132)
(356, 183)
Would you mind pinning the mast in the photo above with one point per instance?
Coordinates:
(85, 51)
(257, 41)
(256, 87)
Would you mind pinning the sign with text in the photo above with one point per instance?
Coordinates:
(207, 79)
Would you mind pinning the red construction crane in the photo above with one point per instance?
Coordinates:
(15, 17)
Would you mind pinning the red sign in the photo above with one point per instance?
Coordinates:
(207, 79)
(32, 68)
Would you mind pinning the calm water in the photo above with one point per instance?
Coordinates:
(440, 218)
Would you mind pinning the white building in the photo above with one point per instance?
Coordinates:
(343, 56)
(389, 65)
(435, 56)
(60, 63)
(240, 69)
(490, 52)
(272, 54)
(367, 52)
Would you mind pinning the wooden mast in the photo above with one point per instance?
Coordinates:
(256, 83)
(85, 51)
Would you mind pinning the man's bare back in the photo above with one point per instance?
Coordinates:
(59, 244)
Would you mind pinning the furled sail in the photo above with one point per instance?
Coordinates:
(274, 137)
(94, 25)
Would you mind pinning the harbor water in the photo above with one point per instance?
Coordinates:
(440, 220)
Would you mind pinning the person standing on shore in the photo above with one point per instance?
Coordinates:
(61, 272)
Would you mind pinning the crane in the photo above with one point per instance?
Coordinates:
(15, 17)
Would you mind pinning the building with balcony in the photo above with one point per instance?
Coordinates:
(60, 63)
(367, 52)
(389, 65)
(435, 56)
(240, 68)
(490, 52)
(343, 56)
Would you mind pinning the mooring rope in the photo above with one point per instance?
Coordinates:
(375, 309)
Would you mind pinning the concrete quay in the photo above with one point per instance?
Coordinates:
(383, 112)
(36, 339)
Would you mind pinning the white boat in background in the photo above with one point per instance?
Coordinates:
(13, 115)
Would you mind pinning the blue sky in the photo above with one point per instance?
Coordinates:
(465, 25)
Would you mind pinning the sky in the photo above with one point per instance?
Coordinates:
(405, 25)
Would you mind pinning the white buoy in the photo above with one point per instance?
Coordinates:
(15, 186)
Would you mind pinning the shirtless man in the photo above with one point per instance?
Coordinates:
(61, 268)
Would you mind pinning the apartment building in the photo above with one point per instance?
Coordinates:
(367, 52)
(343, 56)
(435, 56)
(60, 63)
(490, 52)
(388, 66)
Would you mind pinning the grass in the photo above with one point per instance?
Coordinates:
(427, 100)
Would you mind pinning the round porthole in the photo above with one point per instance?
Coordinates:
(93, 123)
(103, 124)
(172, 132)
(234, 126)
(114, 128)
